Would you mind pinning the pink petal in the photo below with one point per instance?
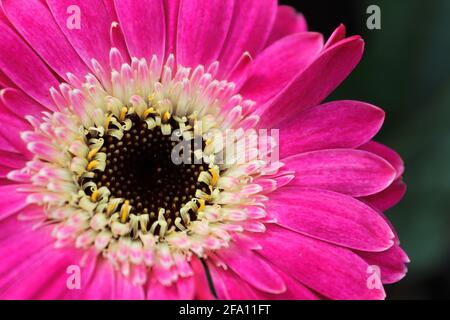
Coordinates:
(157, 291)
(249, 30)
(253, 269)
(11, 201)
(389, 197)
(331, 217)
(334, 272)
(230, 286)
(30, 263)
(172, 9)
(20, 104)
(29, 73)
(316, 128)
(125, 290)
(314, 84)
(102, 283)
(353, 172)
(336, 36)
(186, 288)
(387, 153)
(48, 281)
(295, 291)
(11, 127)
(92, 39)
(392, 263)
(5, 82)
(143, 26)
(5, 145)
(287, 22)
(201, 281)
(202, 30)
(36, 24)
(12, 160)
(279, 64)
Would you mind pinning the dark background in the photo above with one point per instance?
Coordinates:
(406, 71)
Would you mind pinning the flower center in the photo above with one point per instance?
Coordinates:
(139, 169)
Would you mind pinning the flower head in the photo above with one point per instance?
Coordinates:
(136, 147)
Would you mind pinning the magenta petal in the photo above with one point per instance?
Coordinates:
(201, 281)
(12, 126)
(249, 30)
(36, 24)
(20, 104)
(389, 197)
(125, 290)
(229, 285)
(157, 291)
(332, 271)
(143, 26)
(5, 82)
(11, 201)
(331, 217)
(92, 39)
(353, 172)
(186, 288)
(47, 280)
(12, 160)
(336, 36)
(29, 72)
(102, 284)
(288, 21)
(253, 269)
(386, 153)
(316, 128)
(392, 263)
(295, 291)
(172, 9)
(279, 64)
(329, 70)
(202, 30)
(6, 145)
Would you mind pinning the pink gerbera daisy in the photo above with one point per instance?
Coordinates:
(93, 93)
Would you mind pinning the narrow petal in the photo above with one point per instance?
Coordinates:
(91, 40)
(35, 23)
(20, 104)
(102, 284)
(386, 153)
(392, 263)
(172, 9)
(288, 21)
(230, 286)
(202, 30)
(143, 25)
(29, 73)
(157, 291)
(279, 64)
(12, 126)
(11, 201)
(389, 197)
(5, 145)
(331, 217)
(253, 269)
(353, 172)
(295, 291)
(334, 272)
(316, 128)
(329, 70)
(249, 30)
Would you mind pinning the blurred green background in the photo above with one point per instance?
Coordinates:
(406, 71)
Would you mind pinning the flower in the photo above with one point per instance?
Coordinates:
(89, 113)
